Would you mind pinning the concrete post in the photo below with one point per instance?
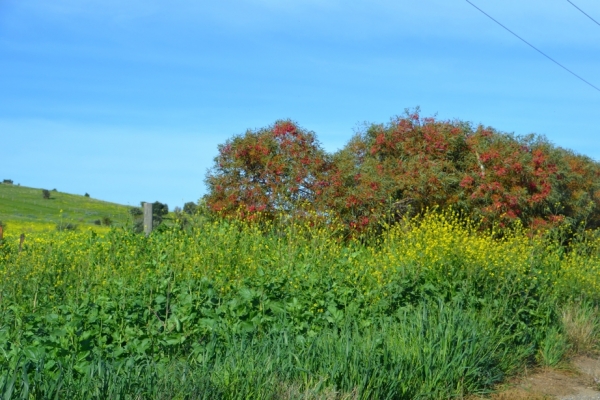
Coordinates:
(147, 218)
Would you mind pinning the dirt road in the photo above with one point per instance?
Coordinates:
(579, 381)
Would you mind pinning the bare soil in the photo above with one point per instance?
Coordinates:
(580, 380)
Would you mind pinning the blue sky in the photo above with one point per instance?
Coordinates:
(127, 100)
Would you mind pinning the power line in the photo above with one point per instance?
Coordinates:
(586, 14)
(535, 48)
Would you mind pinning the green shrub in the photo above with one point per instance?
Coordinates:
(136, 212)
(190, 208)
(68, 226)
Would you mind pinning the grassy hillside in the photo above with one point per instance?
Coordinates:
(24, 209)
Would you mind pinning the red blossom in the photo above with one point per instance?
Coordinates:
(412, 160)
(466, 182)
(283, 128)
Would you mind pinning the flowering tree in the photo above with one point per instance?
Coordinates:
(389, 170)
(578, 185)
(413, 163)
(275, 169)
(410, 164)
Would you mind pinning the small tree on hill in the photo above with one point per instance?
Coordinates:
(159, 211)
(45, 194)
(136, 212)
(190, 208)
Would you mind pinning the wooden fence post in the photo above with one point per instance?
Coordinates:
(147, 218)
(1, 232)
(21, 240)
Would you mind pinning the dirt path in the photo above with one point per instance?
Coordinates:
(580, 382)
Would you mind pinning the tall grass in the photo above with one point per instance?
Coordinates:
(433, 351)
(433, 308)
(581, 322)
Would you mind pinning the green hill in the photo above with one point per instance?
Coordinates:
(25, 209)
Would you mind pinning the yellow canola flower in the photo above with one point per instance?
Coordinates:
(441, 247)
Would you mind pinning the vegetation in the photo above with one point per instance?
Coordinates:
(24, 210)
(276, 169)
(425, 260)
(402, 168)
(432, 308)
(190, 208)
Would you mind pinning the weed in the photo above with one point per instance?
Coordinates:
(581, 322)
(434, 308)
(552, 348)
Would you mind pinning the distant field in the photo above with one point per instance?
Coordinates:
(24, 209)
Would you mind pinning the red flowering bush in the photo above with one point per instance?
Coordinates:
(391, 169)
(406, 166)
(414, 163)
(577, 187)
(275, 169)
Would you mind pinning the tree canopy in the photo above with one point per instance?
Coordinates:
(409, 164)
(275, 169)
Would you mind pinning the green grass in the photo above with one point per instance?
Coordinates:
(23, 208)
(432, 309)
